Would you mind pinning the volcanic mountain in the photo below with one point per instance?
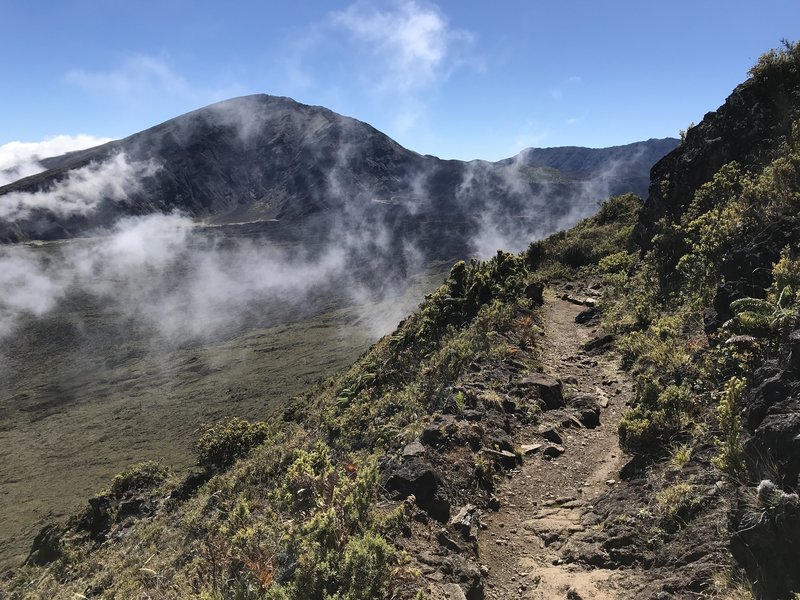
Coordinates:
(307, 171)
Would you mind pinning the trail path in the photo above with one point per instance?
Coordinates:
(543, 504)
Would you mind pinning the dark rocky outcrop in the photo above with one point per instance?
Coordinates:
(766, 527)
(752, 124)
(588, 316)
(46, 546)
(587, 410)
(599, 343)
(766, 540)
(535, 293)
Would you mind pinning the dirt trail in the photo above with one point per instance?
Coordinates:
(542, 506)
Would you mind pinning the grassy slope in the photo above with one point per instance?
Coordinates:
(123, 395)
(301, 507)
(297, 517)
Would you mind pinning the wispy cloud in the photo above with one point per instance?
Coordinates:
(531, 134)
(81, 191)
(143, 79)
(411, 45)
(559, 91)
(137, 78)
(21, 159)
(394, 53)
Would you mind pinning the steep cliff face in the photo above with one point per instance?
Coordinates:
(720, 248)
(749, 128)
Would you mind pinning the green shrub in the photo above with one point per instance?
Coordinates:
(731, 456)
(317, 556)
(774, 62)
(146, 475)
(618, 262)
(591, 240)
(657, 416)
(619, 209)
(365, 570)
(679, 501)
(642, 431)
(219, 445)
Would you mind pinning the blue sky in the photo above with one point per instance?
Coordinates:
(458, 79)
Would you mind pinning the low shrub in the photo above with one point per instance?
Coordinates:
(220, 444)
(679, 502)
(142, 476)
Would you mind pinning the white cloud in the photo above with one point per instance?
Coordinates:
(21, 159)
(81, 191)
(558, 93)
(139, 77)
(531, 134)
(142, 80)
(164, 272)
(410, 46)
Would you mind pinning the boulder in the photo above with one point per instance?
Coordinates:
(548, 390)
(499, 440)
(535, 293)
(774, 388)
(447, 542)
(96, 520)
(588, 315)
(550, 434)
(467, 522)
(46, 546)
(777, 439)
(453, 591)
(587, 410)
(599, 343)
(419, 478)
(439, 431)
(553, 451)
(415, 448)
(507, 459)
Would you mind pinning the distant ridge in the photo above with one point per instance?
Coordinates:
(261, 157)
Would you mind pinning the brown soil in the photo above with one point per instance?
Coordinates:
(543, 505)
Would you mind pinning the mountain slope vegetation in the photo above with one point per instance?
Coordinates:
(371, 484)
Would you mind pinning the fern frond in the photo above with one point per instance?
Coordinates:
(755, 305)
(740, 339)
(754, 321)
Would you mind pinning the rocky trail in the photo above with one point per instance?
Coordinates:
(545, 506)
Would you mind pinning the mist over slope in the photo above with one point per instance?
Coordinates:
(261, 157)
(190, 223)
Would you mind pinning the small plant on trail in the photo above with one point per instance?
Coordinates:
(678, 502)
